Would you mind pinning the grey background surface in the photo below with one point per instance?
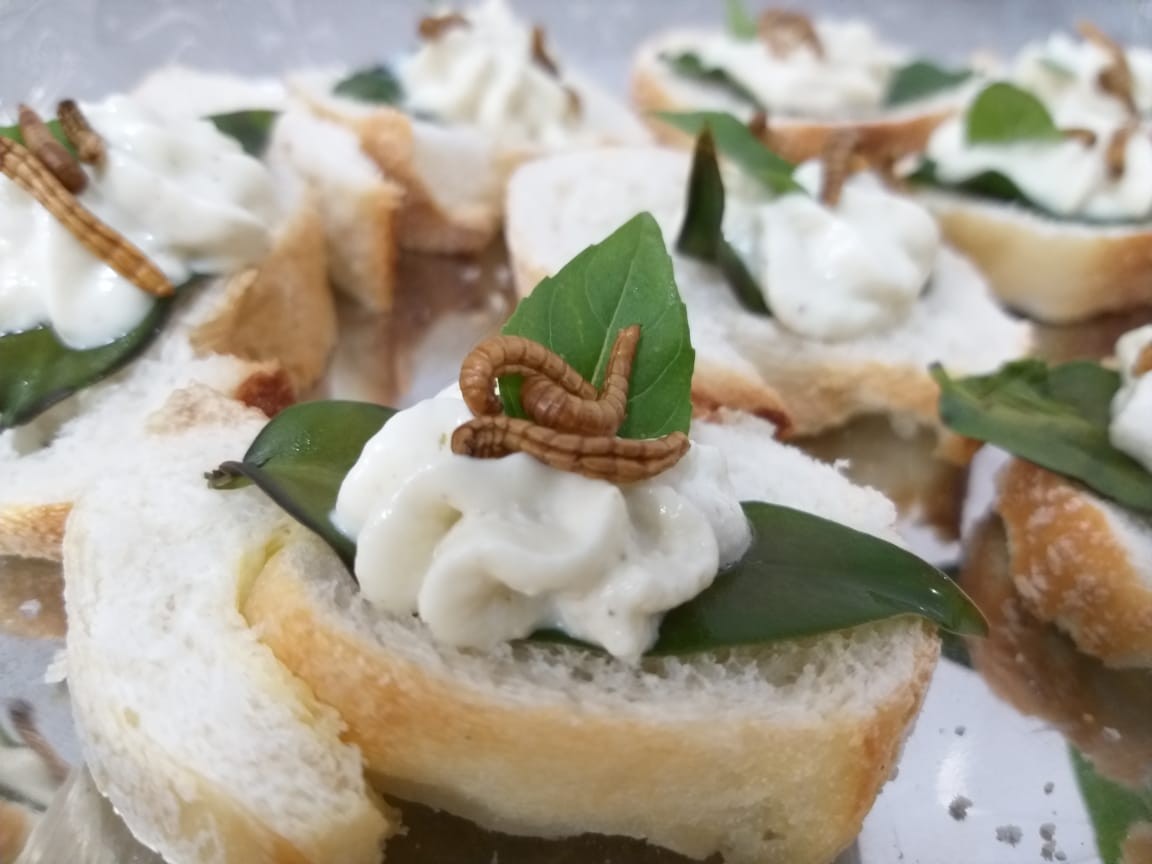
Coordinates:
(85, 48)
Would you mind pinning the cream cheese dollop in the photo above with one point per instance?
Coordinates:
(836, 272)
(483, 74)
(1063, 69)
(1067, 177)
(1131, 427)
(488, 550)
(849, 78)
(185, 194)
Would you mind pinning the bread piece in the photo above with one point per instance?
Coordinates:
(767, 754)
(655, 88)
(1040, 672)
(262, 335)
(209, 750)
(356, 204)
(1051, 269)
(560, 205)
(1081, 562)
(16, 823)
(453, 177)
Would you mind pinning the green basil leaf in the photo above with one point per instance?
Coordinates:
(737, 142)
(1114, 809)
(802, 575)
(1056, 417)
(300, 459)
(740, 24)
(626, 279)
(921, 79)
(37, 370)
(702, 235)
(805, 575)
(689, 65)
(376, 84)
(1004, 113)
(251, 128)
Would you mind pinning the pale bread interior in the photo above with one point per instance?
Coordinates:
(207, 748)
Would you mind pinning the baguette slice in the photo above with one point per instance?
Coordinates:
(1049, 269)
(767, 754)
(209, 750)
(357, 205)
(558, 206)
(262, 335)
(1040, 672)
(1080, 562)
(453, 177)
(656, 87)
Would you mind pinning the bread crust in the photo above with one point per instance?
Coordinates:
(747, 787)
(15, 826)
(1054, 271)
(796, 139)
(281, 310)
(1073, 568)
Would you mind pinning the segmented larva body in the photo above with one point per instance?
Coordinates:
(600, 457)
(782, 30)
(87, 141)
(513, 355)
(52, 154)
(30, 174)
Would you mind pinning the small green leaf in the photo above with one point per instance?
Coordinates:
(689, 65)
(737, 142)
(702, 233)
(1055, 417)
(251, 128)
(376, 84)
(626, 279)
(1004, 113)
(805, 575)
(37, 370)
(740, 23)
(300, 460)
(921, 79)
(1114, 809)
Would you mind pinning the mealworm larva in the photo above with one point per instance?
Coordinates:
(782, 30)
(29, 173)
(1116, 78)
(601, 457)
(540, 52)
(513, 355)
(1116, 156)
(21, 714)
(434, 26)
(549, 404)
(54, 155)
(839, 148)
(87, 141)
(1143, 362)
(1078, 133)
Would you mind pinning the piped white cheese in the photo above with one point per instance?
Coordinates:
(1131, 429)
(488, 550)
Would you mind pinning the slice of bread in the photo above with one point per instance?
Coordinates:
(206, 746)
(262, 335)
(560, 205)
(1081, 562)
(656, 87)
(767, 754)
(1039, 671)
(1050, 269)
(453, 177)
(357, 205)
